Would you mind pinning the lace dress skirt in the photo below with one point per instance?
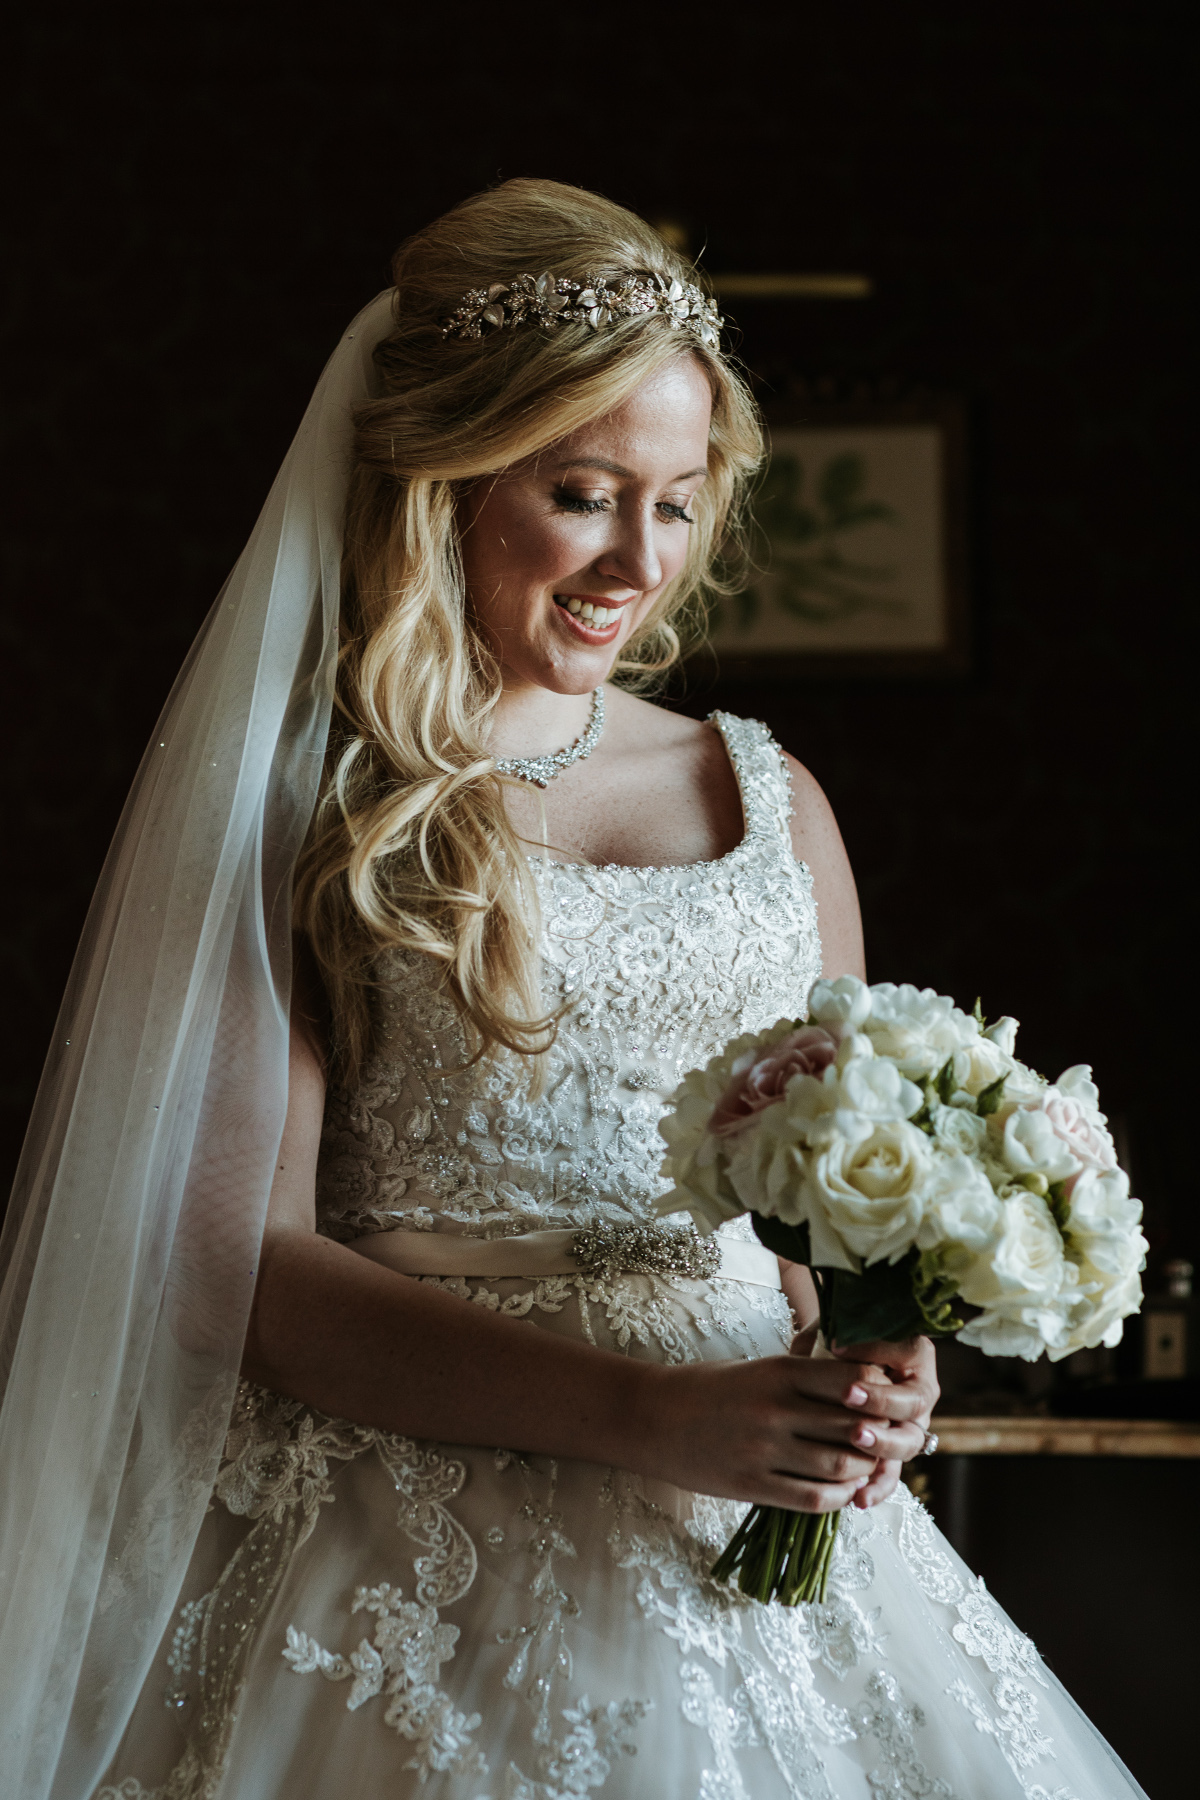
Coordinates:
(370, 1615)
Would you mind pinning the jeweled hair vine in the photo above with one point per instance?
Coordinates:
(488, 364)
(552, 301)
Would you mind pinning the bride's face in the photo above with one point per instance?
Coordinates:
(600, 520)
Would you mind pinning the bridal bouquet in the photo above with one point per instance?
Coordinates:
(895, 1145)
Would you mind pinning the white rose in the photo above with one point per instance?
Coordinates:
(1003, 1033)
(957, 1129)
(1022, 1085)
(1025, 1265)
(1070, 1105)
(1103, 1223)
(693, 1163)
(978, 1064)
(917, 1027)
(1100, 1317)
(961, 1213)
(865, 1195)
(1024, 1331)
(1077, 1083)
(844, 1102)
(839, 1005)
(878, 1090)
(1031, 1146)
(767, 1166)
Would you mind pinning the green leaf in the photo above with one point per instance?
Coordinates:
(933, 1291)
(991, 1098)
(943, 1081)
(790, 1241)
(879, 1303)
(1060, 1206)
(978, 1014)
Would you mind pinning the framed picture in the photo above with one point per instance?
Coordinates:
(860, 556)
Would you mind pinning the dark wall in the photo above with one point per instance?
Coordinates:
(198, 213)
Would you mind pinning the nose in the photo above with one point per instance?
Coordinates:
(632, 556)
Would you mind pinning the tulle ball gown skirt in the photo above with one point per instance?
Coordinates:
(365, 1614)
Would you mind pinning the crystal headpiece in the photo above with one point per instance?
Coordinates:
(554, 300)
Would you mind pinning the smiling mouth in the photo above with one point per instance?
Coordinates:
(589, 613)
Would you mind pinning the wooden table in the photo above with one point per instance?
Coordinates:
(1017, 1435)
(962, 1439)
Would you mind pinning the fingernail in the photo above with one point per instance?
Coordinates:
(864, 1436)
(861, 1482)
(857, 1396)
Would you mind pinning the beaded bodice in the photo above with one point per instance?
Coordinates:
(660, 967)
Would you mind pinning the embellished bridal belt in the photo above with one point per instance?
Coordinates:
(596, 1251)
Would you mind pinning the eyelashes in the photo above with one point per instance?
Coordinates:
(581, 505)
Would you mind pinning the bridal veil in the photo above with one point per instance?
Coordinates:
(132, 1239)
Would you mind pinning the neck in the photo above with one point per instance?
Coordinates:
(533, 721)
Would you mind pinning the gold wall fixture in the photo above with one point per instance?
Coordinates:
(767, 287)
(793, 287)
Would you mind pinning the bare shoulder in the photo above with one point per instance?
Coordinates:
(814, 829)
(817, 842)
(636, 721)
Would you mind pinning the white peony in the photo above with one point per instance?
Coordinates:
(917, 1028)
(864, 1195)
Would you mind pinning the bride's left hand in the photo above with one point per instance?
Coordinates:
(911, 1364)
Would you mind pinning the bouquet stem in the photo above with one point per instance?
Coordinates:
(778, 1555)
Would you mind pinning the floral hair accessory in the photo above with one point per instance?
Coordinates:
(553, 300)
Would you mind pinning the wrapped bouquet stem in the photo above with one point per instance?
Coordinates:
(932, 1183)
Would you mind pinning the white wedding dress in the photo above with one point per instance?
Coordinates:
(366, 1615)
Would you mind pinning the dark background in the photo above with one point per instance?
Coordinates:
(204, 195)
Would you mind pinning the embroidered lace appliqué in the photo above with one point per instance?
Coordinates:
(659, 968)
(402, 1661)
(902, 1776)
(983, 1631)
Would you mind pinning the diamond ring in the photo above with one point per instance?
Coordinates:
(930, 1444)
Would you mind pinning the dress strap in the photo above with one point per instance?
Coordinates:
(762, 776)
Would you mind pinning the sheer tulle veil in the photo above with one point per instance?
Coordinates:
(130, 1248)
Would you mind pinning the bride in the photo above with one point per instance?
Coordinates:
(452, 1531)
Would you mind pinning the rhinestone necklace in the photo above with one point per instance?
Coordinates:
(541, 770)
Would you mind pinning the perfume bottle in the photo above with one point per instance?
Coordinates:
(1169, 1335)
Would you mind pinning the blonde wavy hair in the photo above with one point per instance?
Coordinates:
(411, 847)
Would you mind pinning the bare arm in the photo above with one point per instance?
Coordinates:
(360, 1341)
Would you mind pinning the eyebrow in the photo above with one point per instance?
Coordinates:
(612, 468)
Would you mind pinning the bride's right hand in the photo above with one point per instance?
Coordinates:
(778, 1431)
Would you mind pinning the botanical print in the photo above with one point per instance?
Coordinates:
(849, 554)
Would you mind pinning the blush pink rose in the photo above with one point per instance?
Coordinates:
(1081, 1135)
(808, 1051)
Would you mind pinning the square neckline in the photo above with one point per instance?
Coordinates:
(752, 829)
